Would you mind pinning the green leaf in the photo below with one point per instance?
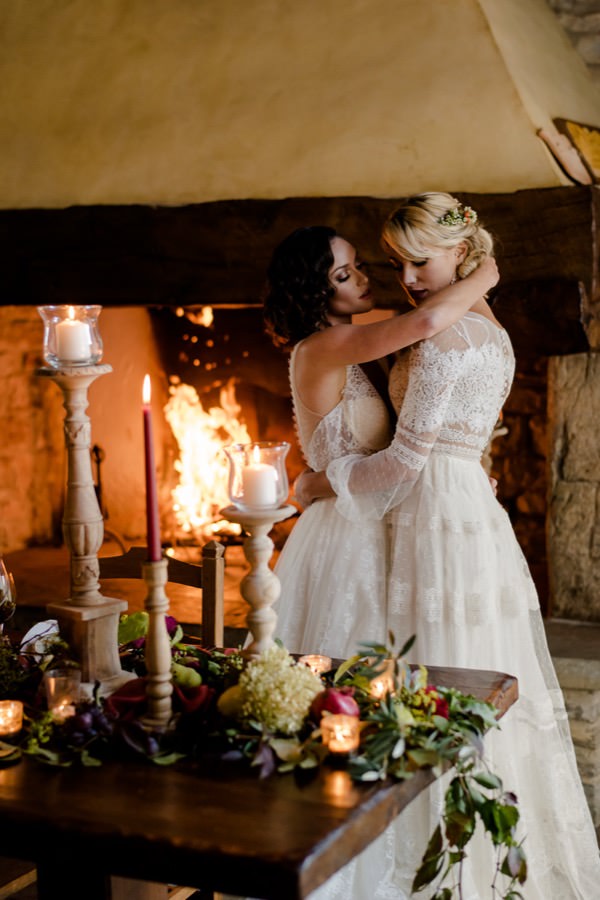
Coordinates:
(344, 667)
(178, 634)
(427, 872)
(50, 757)
(309, 762)
(399, 748)
(87, 759)
(476, 796)
(286, 749)
(515, 864)
(488, 780)
(423, 758)
(133, 627)
(372, 775)
(406, 647)
(166, 759)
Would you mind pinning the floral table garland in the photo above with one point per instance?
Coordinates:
(270, 712)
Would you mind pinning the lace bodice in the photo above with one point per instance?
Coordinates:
(448, 391)
(359, 423)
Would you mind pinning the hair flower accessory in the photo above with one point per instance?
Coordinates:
(460, 215)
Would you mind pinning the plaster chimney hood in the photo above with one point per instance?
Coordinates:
(179, 103)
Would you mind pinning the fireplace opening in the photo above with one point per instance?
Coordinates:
(227, 384)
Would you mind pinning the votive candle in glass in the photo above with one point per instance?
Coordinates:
(257, 475)
(341, 733)
(62, 691)
(71, 336)
(11, 717)
(317, 663)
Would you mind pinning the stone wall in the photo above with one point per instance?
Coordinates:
(580, 683)
(519, 462)
(574, 485)
(581, 21)
(32, 456)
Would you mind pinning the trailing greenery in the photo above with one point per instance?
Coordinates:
(269, 712)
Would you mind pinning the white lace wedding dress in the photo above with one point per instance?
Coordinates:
(458, 580)
(332, 571)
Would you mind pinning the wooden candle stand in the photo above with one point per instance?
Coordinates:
(260, 588)
(88, 620)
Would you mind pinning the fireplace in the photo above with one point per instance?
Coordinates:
(156, 272)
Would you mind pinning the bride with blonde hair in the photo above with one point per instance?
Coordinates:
(456, 576)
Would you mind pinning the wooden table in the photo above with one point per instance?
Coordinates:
(216, 826)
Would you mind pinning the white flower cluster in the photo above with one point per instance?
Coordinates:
(277, 692)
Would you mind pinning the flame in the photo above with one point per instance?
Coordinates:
(146, 391)
(204, 316)
(203, 470)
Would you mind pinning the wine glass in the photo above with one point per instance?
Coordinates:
(8, 595)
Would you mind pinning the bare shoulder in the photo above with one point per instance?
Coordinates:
(322, 347)
(319, 376)
(483, 308)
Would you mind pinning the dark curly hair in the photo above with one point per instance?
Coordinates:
(298, 289)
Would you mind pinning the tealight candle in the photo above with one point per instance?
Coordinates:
(11, 717)
(63, 710)
(341, 734)
(73, 338)
(317, 663)
(259, 483)
(62, 691)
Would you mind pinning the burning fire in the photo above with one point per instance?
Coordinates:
(203, 469)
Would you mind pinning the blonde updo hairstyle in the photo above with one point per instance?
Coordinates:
(436, 221)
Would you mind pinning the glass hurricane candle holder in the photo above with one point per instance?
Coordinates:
(257, 475)
(11, 717)
(71, 336)
(62, 691)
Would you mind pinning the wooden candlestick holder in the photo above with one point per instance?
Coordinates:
(88, 620)
(260, 588)
(159, 686)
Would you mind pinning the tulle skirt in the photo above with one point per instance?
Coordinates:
(459, 582)
(332, 575)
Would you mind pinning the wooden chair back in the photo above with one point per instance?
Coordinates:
(209, 577)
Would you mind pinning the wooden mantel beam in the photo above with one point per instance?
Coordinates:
(217, 253)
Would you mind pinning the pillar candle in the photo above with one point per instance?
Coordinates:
(73, 339)
(259, 483)
(152, 521)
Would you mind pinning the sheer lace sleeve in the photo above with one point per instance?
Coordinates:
(368, 486)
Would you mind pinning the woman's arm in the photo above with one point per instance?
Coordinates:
(369, 486)
(310, 486)
(345, 345)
